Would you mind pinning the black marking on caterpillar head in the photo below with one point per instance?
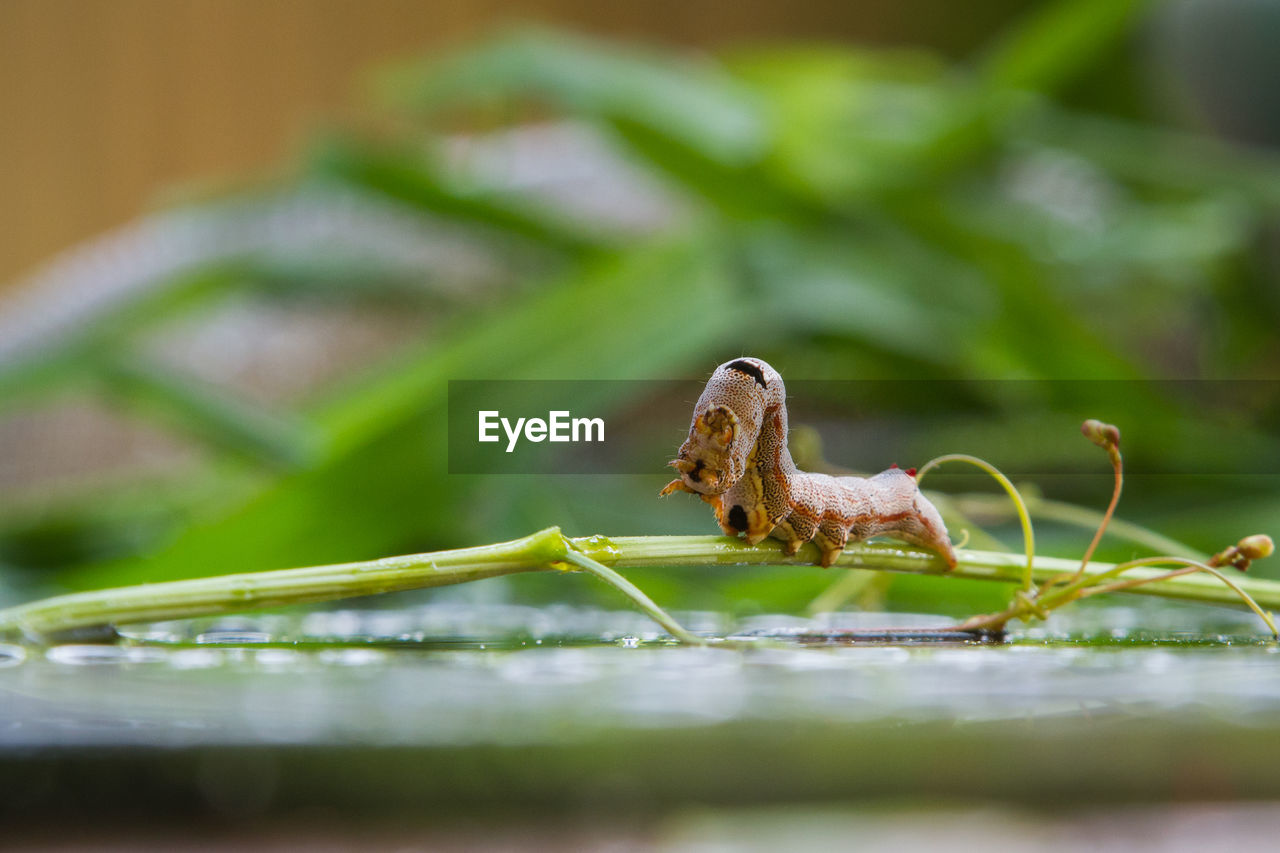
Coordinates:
(738, 517)
(696, 473)
(743, 366)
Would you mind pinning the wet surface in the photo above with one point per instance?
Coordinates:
(450, 675)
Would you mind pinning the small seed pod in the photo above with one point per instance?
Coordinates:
(1257, 546)
(1106, 436)
(1244, 552)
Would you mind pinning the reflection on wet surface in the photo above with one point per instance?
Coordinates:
(505, 675)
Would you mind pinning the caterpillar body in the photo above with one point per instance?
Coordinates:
(736, 459)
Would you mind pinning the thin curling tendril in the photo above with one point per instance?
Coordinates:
(1028, 534)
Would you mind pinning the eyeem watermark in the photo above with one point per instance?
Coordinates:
(543, 428)
(559, 426)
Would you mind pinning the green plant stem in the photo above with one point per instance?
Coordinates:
(1074, 592)
(545, 551)
(631, 591)
(259, 590)
(1117, 465)
(1028, 535)
(1083, 585)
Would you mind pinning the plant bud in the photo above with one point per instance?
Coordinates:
(1256, 547)
(1106, 436)
(1244, 552)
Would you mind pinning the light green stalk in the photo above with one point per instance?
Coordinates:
(548, 550)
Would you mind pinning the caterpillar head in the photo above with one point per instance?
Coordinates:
(726, 424)
(712, 458)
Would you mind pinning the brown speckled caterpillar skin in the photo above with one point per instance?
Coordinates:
(736, 459)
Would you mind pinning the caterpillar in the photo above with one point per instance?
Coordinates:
(736, 459)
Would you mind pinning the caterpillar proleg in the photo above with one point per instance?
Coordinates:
(736, 459)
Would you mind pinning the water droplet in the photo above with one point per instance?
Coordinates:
(629, 642)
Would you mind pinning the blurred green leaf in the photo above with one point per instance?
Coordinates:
(1160, 158)
(691, 104)
(209, 413)
(1058, 41)
(851, 124)
(73, 356)
(690, 121)
(412, 178)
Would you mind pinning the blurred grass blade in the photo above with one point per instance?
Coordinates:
(409, 177)
(692, 104)
(111, 522)
(875, 286)
(1160, 158)
(208, 413)
(691, 121)
(854, 124)
(72, 356)
(1056, 42)
(742, 192)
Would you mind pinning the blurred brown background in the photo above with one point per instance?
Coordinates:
(107, 103)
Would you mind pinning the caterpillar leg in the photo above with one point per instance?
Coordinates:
(929, 539)
(755, 537)
(791, 543)
(795, 530)
(924, 527)
(933, 533)
(914, 530)
(830, 539)
(675, 486)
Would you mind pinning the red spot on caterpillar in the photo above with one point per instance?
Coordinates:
(911, 472)
(894, 465)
